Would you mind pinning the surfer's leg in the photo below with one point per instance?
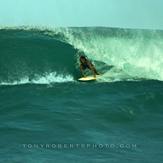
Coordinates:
(95, 71)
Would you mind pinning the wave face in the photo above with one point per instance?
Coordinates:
(50, 55)
(33, 57)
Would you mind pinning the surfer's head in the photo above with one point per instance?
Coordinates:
(83, 59)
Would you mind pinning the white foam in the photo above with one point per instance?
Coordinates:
(52, 78)
(47, 78)
(135, 57)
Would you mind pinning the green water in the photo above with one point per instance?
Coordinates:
(48, 116)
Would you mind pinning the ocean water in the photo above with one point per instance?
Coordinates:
(48, 116)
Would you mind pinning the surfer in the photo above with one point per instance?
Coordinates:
(86, 64)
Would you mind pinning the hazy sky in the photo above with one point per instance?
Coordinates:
(114, 13)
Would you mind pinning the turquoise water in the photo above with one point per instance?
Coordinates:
(48, 116)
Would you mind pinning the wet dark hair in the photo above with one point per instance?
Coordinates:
(82, 57)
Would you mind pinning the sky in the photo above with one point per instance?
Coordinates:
(146, 14)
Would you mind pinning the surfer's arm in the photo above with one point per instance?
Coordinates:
(92, 69)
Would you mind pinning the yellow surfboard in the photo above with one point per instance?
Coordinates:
(88, 78)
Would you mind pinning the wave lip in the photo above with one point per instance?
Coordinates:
(48, 78)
